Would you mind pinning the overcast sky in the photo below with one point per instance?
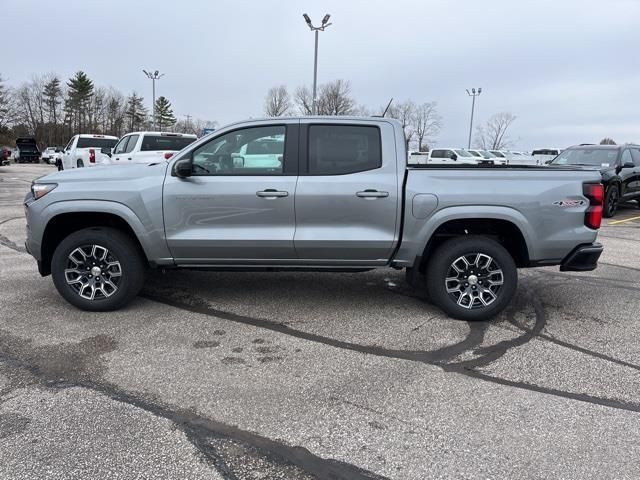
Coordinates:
(569, 69)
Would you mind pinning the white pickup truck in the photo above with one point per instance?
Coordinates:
(148, 147)
(86, 151)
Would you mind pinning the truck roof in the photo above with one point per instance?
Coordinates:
(163, 134)
(91, 135)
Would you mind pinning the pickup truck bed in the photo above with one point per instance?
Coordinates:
(335, 194)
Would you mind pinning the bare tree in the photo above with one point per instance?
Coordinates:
(335, 99)
(304, 100)
(427, 123)
(277, 102)
(607, 141)
(493, 135)
(405, 113)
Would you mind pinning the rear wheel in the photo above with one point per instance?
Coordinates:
(612, 198)
(471, 278)
(98, 269)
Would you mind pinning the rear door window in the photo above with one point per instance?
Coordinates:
(164, 142)
(343, 149)
(96, 142)
(635, 154)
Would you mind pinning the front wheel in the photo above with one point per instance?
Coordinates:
(471, 278)
(98, 269)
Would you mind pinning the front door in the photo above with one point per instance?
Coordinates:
(234, 210)
(347, 195)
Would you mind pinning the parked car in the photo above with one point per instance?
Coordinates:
(86, 151)
(487, 155)
(341, 199)
(5, 155)
(48, 154)
(545, 155)
(148, 147)
(26, 150)
(418, 158)
(619, 166)
(454, 156)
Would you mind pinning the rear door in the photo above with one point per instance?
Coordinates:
(231, 213)
(347, 194)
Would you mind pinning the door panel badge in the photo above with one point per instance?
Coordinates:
(568, 202)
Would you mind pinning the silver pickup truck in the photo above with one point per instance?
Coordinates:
(312, 193)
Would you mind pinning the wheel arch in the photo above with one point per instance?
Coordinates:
(63, 224)
(504, 231)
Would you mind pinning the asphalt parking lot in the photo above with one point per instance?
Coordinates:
(304, 375)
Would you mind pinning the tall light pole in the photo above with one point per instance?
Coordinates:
(321, 28)
(473, 93)
(154, 76)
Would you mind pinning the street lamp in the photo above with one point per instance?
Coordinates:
(325, 24)
(154, 76)
(473, 93)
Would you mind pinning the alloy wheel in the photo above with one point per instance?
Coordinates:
(474, 280)
(93, 272)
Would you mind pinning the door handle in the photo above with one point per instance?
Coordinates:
(272, 193)
(370, 193)
(129, 158)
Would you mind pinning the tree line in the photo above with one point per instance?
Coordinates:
(421, 121)
(53, 111)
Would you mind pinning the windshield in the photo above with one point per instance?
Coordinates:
(497, 153)
(164, 142)
(601, 157)
(475, 153)
(463, 153)
(487, 154)
(84, 142)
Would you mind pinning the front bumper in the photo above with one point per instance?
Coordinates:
(583, 258)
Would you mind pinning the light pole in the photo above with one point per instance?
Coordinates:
(473, 93)
(154, 76)
(321, 28)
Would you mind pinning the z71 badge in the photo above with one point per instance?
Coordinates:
(569, 203)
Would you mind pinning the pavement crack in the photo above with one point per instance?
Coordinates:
(199, 430)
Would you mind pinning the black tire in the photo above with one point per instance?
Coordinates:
(80, 164)
(120, 249)
(611, 200)
(488, 298)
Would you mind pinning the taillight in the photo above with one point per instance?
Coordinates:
(92, 155)
(595, 193)
(168, 155)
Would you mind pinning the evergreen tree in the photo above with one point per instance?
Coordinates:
(80, 92)
(164, 117)
(136, 113)
(53, 99)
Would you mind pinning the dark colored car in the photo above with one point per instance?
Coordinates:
(619, 166)
(27, 150)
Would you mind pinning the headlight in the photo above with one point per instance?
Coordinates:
(39, 190)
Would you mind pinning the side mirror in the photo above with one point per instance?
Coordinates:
(106, 151)
(182, 168)
(453, 157)
(628, 165)
(238, 160)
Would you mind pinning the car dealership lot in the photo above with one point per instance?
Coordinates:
(296, 375)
